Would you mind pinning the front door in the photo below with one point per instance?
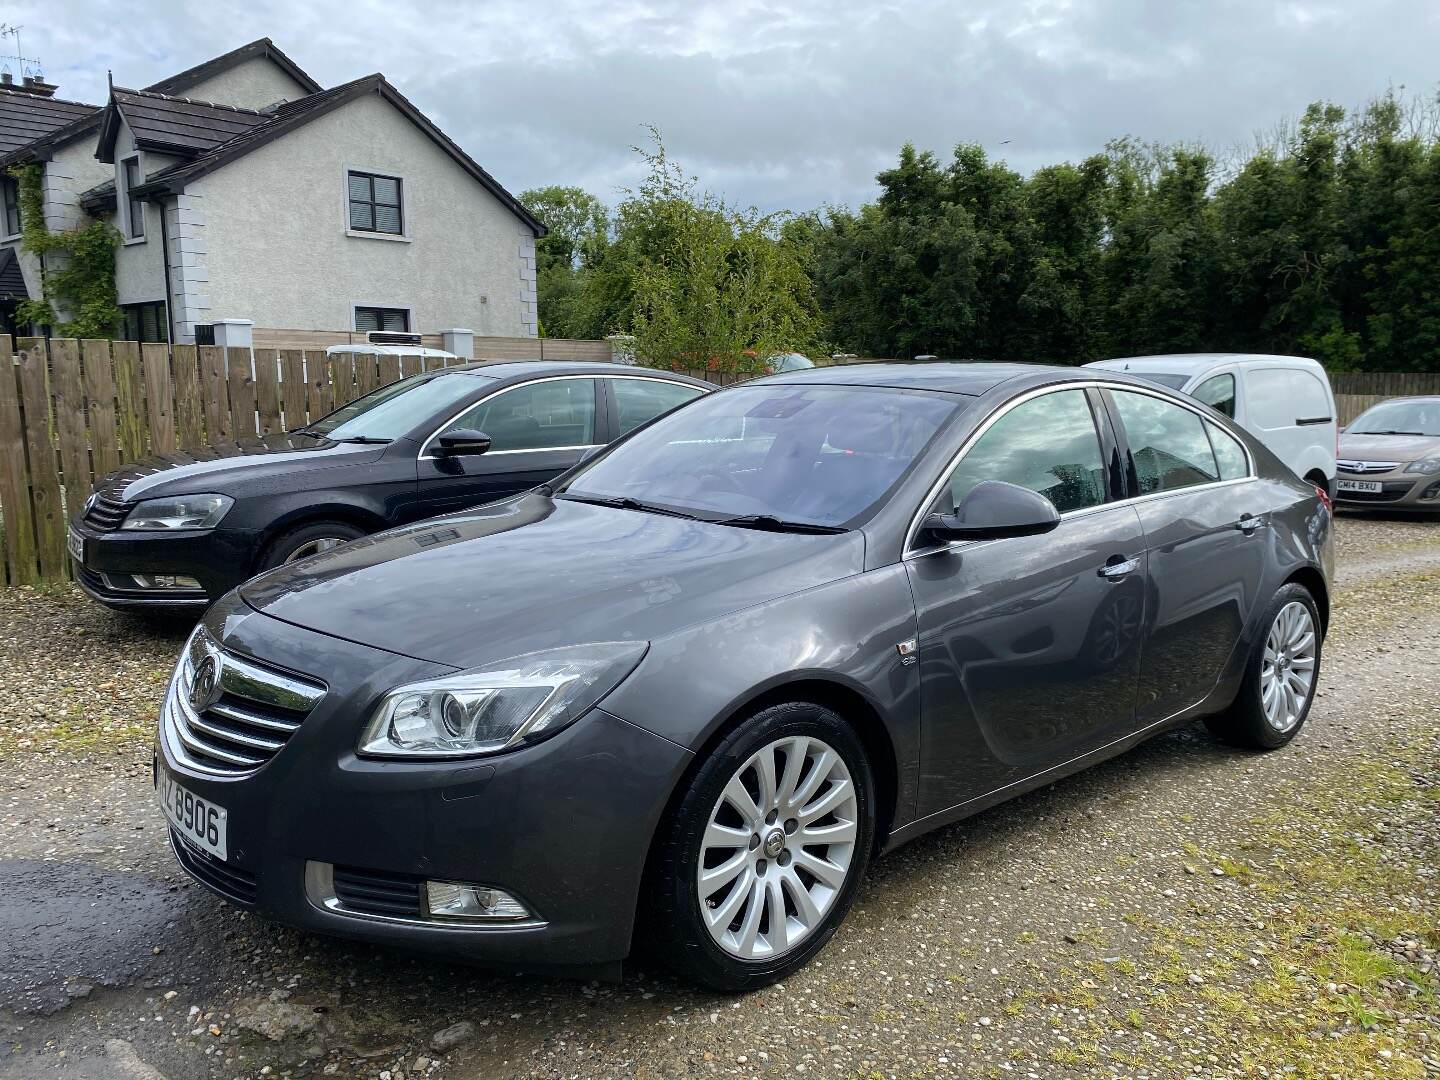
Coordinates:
(1206, 541)
(537, 430)
(1030, 647)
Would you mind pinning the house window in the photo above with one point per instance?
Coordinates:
(382, 318)
(11, 191)
(135, 209)
(375, 204)
(145, 322)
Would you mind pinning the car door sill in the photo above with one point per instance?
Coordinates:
(910, 830)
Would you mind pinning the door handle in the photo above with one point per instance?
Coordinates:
(1116, 568)
(1248, 523)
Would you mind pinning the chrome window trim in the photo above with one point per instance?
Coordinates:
(320, 891)
(910, 552)
(423, 456)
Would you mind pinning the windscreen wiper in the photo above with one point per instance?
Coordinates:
(624, 502)
(1387, 433)
(367, 440)
(771, 523)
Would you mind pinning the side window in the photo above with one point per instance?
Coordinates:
(538, 416)
(1167, 442)
(638, 401)
(1048, 444)
(1218, 393)
(1229, 454)
(1278, 397)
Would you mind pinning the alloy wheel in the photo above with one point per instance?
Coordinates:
(777, 849)
(314, 547)
(1287, 671)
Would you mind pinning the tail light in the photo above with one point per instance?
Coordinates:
(1325, 498)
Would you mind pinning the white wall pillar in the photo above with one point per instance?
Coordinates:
(459, 341)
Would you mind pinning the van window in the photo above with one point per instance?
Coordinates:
(1219, 393)
(1278, 397)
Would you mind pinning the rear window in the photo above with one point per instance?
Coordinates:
(1279, 397)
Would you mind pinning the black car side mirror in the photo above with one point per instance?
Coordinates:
(994, 510)
(462, 441)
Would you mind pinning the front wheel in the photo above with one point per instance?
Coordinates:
(307, 540)
(761, 859)
(1280, 680)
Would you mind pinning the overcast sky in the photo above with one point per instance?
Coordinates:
(783, 105)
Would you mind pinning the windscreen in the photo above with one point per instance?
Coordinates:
(823, 455)
(1399, 418)
(391, 411)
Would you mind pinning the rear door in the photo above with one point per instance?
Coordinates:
(1292, 411)
(537, 430)
(1205, 542)
(634, 400)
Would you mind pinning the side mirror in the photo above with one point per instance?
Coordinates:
(462, 441)
(994, 510)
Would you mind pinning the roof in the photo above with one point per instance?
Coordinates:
(273, 124)
(1191, 363)
(972, 378)
(25, 118)
(172, 125)
(524, 369)
(86, 118)
(263, 47)
(12, 281)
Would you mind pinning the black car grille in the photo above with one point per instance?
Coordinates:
(241, 716)
(234, 884)
(1387, 493)
(105, 513)
(374, 892)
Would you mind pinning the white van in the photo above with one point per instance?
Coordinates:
(1285, 401)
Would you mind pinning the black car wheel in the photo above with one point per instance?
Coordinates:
(761, 859)
(1280, 679)
(307, 540)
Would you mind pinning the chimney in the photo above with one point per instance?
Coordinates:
(36, 85)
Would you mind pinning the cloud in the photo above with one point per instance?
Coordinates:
(794, 105)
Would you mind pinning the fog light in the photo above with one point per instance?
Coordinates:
(164, 581)
(1431, 492)
(451, 900)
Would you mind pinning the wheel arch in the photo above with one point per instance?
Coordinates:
(348, 513)
(1309, 578)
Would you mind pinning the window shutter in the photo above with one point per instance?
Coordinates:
(367, 318)
(359, 187)
(387, 219)
(361, 216)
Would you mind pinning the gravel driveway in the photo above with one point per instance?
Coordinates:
(1183, 910)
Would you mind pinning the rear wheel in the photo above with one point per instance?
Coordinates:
(1280, 680)
(310, 539)
(761, 859)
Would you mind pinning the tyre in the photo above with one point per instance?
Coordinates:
(1280, 679)
(760, 860)
(309, 539)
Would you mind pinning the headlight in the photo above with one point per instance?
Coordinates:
(492, 709)
(1424, 465)
(182, 512)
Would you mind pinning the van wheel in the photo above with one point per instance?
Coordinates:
(1280, 679)
(761, 860)
(307, 540)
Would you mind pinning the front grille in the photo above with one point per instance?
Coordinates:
(241, 715)
(1387, 493)
(374, 892)
(1361, 468)
(234, 884)
(106, 513)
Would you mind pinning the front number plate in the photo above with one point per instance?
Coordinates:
(76, 546)
(1372, 486)
(199, 822)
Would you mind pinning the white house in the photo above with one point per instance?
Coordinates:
(245, 191)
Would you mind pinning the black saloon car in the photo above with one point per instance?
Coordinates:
(687, 691)
(181, 529)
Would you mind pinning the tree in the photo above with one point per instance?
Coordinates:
(578, 225)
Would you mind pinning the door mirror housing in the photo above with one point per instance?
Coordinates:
(462, 441)
(994, 510)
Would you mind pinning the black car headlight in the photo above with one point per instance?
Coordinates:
(180, 512)
(498, 707)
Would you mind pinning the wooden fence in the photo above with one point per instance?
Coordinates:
(73, 411)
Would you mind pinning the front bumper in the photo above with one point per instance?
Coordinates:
(1399, 490)
(215, 558)
(564, 825)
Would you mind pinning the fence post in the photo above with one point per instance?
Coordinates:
(100, 405)
(70, 422)
(130, 400)
(15, 505)
(459, 341)
(44, 474)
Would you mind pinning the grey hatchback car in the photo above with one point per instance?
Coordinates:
(685, 692)
(1389, 457)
